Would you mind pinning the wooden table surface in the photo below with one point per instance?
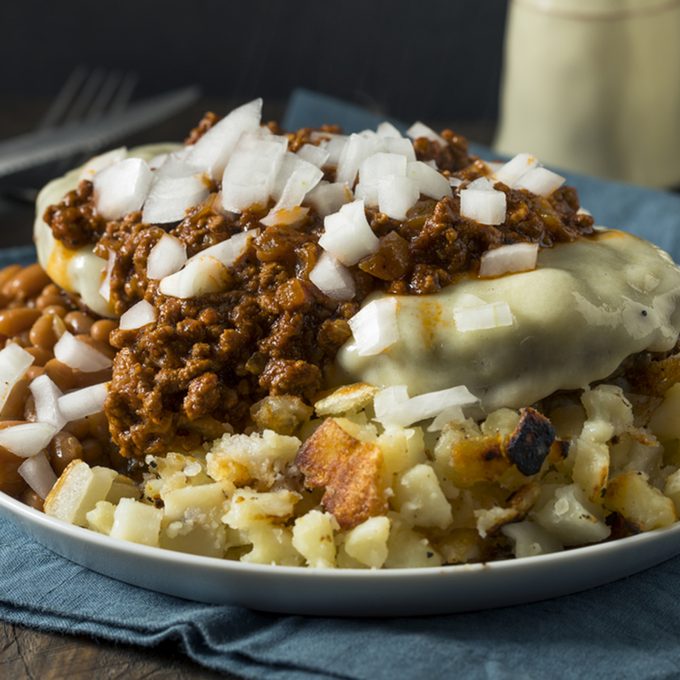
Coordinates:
(26, 653)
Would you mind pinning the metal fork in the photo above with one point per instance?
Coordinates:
(86, 95)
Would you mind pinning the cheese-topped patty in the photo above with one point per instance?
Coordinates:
(77, 271)
(586, 307)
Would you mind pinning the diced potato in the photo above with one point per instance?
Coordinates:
(665, 421)
(571, 518)
(501, 422)
(137, 522)
(639, 454)
(367, 543)
(591, 466)
(122, 487)
(568, 420)
(672, 489)
(644, 506)
(281, 413)
(204, 498)
(77, 491)
(358, 427)
(402, 449)
(458, 546)
(313, 538)
(492, 519)
(420, 500)
(346, 399)
(101, 517)
(248, 507)
(408, 548)
(608, 403)
(530, 539)
(271, 545)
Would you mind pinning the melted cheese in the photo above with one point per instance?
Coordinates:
(587, 306)
(77, 271)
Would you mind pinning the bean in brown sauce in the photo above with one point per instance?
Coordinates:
(43, 332)
(13, 408)
(78, 428)
(93, 452)
(101, 330)
(78, 323)
(58, 310)
(31, 498)
(16, 320)
(62, 375)
(41, 356)
(26, 283)
(29, 409)
(45, 301)
(63, 449)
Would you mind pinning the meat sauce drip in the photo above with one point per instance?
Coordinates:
(197, 371)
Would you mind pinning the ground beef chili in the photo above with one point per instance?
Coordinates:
(199, 369)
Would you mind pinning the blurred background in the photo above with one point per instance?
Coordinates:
(588, 85)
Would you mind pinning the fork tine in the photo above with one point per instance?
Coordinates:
(85, 97)
(124, 94)
(64, 98)
(105, 95)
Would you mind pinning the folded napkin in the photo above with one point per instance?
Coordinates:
(627, 629)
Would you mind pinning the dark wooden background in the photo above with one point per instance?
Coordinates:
(432, 60)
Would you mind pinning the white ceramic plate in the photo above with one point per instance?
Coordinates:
(347, 592)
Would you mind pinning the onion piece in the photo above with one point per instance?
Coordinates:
(316, 155)
(347, 235)
(46, 397)
(170, 197)
(166, 257)
(395, 408)
(84, 402)
(483, 206)
(332, 278)
(38, 474)
(419, 129)
(517, 257)
(396, 196)
(449, 415)
(105, 287)
(333, 143)
(229, 250)
(375, 168)
(455, 182)
(386, 129)
(481, 184)
(249, 177)
(14, 362)
(400, 145)
(139, 315)
(483, 317)
(201, 275)
(515, 168)
(303, 179)
(214, 149)
(284, 216)
(356, 150)
(374, 326)
(121, 188)
(79, 355)
(27, 439)
(101, 162)
(540, 181)
(430, 182)
(494, 166)
(328, 198)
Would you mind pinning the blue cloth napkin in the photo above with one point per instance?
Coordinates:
(627, 629)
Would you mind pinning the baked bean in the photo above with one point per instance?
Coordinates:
(7, 273)
(49, 301)
(93, 452)
(31, 498)
(99, 427)
(102, 347)
(62, 450)
(58, 310)
(11, 481)
(41, 356)
(14, 406)
(14, 321)
(23, 339)
(43, 332)
(62, 375)
(26, 283)
(78, 428)
(87, 378)
(101, 330)
(78, 322)
(34, 371)
(51, 289)
(29, 409)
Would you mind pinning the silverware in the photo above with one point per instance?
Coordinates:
(50, 143)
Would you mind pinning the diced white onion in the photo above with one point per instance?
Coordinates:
(394, 407)
(170, 197)
(396, 196)
(101, 162)
(46, 397)
(14, 362)
(483, 317)
(515, 168)
(213, 150)
(347, 235)
(455, 181)
(494, 166)
(400, 145)
(332, 278)
(430, 182)
(79, 355)
(374, 326)
(166, 257)
(517, 257)
(140, 314)
(121, 188)
(105, 287)
(303, 179)
(316, 155)
(386, 129)
(583, 211)
(328, 198)
(481, 184)
(84, 402)
(284, 216)
(450, 415)
(419, 129)
(201, 275)
(249, 177)
(229, 250)
(333, 143)
(38, 474)
(27, 439)
(540, 181)
(375, 168)
(355, 151)
(483, 206)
